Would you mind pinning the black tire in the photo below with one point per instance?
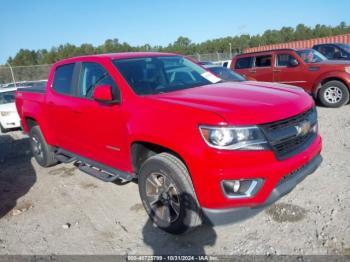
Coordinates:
(42, 152)
(181, 203)
(333, 94)
(3, 130)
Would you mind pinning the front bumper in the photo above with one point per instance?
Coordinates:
(286, 184)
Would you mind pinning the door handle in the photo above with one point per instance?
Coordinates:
(276, 70)
(252, 71)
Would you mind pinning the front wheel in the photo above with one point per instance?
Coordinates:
(42, 152)
(333, 94)
(167, 194)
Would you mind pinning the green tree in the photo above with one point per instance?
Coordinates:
(182, 44)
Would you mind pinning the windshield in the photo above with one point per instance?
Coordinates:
(161, 74)
(226, 74)
(345, 47)
(7, 97)
(311, 56)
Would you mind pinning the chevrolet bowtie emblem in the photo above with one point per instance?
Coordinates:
(303, 128)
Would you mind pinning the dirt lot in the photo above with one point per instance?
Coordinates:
(61, 210)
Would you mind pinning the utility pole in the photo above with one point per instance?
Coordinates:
(13, 76)
(230, 50)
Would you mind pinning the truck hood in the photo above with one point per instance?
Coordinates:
(243, 103)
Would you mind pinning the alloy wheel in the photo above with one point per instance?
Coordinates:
(333, 94)
(163, 198)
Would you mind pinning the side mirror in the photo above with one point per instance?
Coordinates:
(103, 94)
(293, 62)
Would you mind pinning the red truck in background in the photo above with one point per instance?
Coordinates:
(200, 148)
(326, 80)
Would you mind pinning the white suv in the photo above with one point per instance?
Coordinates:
(9, 118)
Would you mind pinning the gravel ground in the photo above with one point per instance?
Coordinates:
(61, 210)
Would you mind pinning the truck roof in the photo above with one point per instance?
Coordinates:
(116, 56)
(274, 50)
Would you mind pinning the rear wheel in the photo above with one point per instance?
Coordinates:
(333, 94)
(167, 194)
(42, 152)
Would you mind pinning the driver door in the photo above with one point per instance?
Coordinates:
(103, 129)
(284, 73)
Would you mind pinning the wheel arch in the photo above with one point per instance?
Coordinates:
(328, 79)
(142, 150)
(30, 122)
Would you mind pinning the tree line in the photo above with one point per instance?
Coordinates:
(182, 45)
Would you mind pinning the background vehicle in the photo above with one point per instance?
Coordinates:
(9, 118)
(186, 136)
(334, 51)
(224, 73)
(226, 63)
(37, 83)
(328, 81)
(205, 63)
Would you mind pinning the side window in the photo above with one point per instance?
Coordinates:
(62, 81)
(263, 61)
(329, 51)
(92, 75)
(283, 59)
(243, 63)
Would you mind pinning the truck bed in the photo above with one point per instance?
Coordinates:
(30, 100)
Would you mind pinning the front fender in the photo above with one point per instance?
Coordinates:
(333, 75)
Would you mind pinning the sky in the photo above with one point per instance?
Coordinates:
(37, 24)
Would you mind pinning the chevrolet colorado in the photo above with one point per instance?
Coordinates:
(200, 148)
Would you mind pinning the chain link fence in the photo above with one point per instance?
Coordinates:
(11, 76)
(19, 75)
(213, 57)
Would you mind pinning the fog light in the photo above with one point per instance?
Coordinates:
(243, 188)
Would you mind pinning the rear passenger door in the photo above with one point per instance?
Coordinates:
(263, 68)
(61, 106)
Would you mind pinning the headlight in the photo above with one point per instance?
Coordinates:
(347, 69)
(234, 138)
(5, 113)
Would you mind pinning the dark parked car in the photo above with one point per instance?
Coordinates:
(334, 51)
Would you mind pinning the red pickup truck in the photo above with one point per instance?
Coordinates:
(326, 80)
(200, 148)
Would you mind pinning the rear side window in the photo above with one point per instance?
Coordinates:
(245, 62)
(62, 81)
(263, 61)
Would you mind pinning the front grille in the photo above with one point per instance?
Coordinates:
(292, 135)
